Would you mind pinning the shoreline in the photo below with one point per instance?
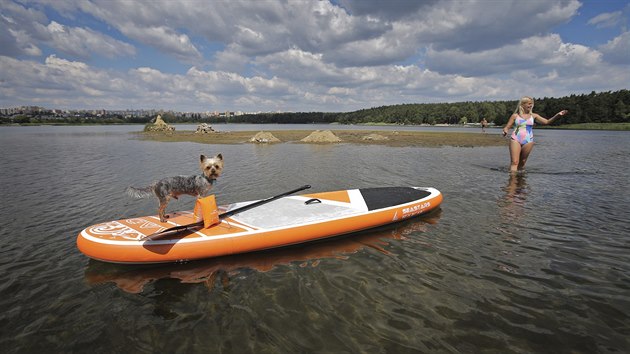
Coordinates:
(362, 137)
(575, 126)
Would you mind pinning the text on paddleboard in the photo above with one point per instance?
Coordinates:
(415, 209)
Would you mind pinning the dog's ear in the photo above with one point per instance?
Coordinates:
(202, 158)
(220, 157)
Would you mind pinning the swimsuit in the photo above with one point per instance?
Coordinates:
(523, 130)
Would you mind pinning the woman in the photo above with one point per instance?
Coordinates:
(522, 138)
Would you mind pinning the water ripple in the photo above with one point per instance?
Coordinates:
(536, 263)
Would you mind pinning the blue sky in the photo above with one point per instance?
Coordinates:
(579, 31)
(304, 55)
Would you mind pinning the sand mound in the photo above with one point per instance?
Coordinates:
(204, 128)
(159, 126)
(321, 136)
(375, 137)
(264, 138)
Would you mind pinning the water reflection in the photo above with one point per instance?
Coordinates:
(133, 279)
(516, 192)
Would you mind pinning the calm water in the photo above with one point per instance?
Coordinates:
(538, 263)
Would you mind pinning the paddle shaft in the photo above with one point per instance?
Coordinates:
(181, 228)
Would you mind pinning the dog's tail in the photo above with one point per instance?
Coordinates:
(139, 192)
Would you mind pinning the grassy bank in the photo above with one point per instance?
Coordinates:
(595, 126)
(389, 138)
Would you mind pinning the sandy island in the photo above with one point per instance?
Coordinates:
(365, 137)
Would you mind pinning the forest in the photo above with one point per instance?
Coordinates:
(602, 107)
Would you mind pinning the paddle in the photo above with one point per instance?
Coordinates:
(181, 228)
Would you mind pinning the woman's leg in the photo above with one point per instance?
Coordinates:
(525, 151)
(515, 155)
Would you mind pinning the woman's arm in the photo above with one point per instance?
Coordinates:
(509, 124)
(545, 121)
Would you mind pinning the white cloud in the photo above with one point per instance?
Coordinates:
(16, 36)
(389, 48)
(371, 34)
(228, 60)
(395, 9)
(61, 82)
(471, 26)
(17, 42)
(26, 32)
(296, 55)
(533, 54)
(609, 19)
(83, 43)
(166, 40)
(341, 91)
(298, 65)
(146, 23)
(617, 50)
(206, 98)
(248, 27)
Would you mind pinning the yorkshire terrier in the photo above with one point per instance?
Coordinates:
(173, 187)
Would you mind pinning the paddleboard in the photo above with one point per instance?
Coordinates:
(282, 222)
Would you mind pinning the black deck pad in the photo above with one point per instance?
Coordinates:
(383, 197)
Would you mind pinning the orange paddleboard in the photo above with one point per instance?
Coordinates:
(285, 221)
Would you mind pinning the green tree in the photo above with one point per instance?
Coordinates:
(487, 110)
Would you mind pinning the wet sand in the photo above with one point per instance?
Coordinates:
(391, 138)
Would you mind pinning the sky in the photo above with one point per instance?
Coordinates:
(306, 55)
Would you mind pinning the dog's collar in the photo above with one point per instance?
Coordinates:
(210, 180)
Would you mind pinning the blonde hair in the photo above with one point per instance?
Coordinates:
(519, 107)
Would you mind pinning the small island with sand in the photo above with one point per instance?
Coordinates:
(365, 137)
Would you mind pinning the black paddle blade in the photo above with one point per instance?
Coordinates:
(173, 231)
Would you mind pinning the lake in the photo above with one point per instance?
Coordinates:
(538, 262)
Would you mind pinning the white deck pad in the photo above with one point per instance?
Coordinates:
(292, 211)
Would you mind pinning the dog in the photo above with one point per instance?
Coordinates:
(173, 187)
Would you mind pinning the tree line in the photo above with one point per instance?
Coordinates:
(602, 107)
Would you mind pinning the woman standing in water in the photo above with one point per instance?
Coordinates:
(522, 138)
